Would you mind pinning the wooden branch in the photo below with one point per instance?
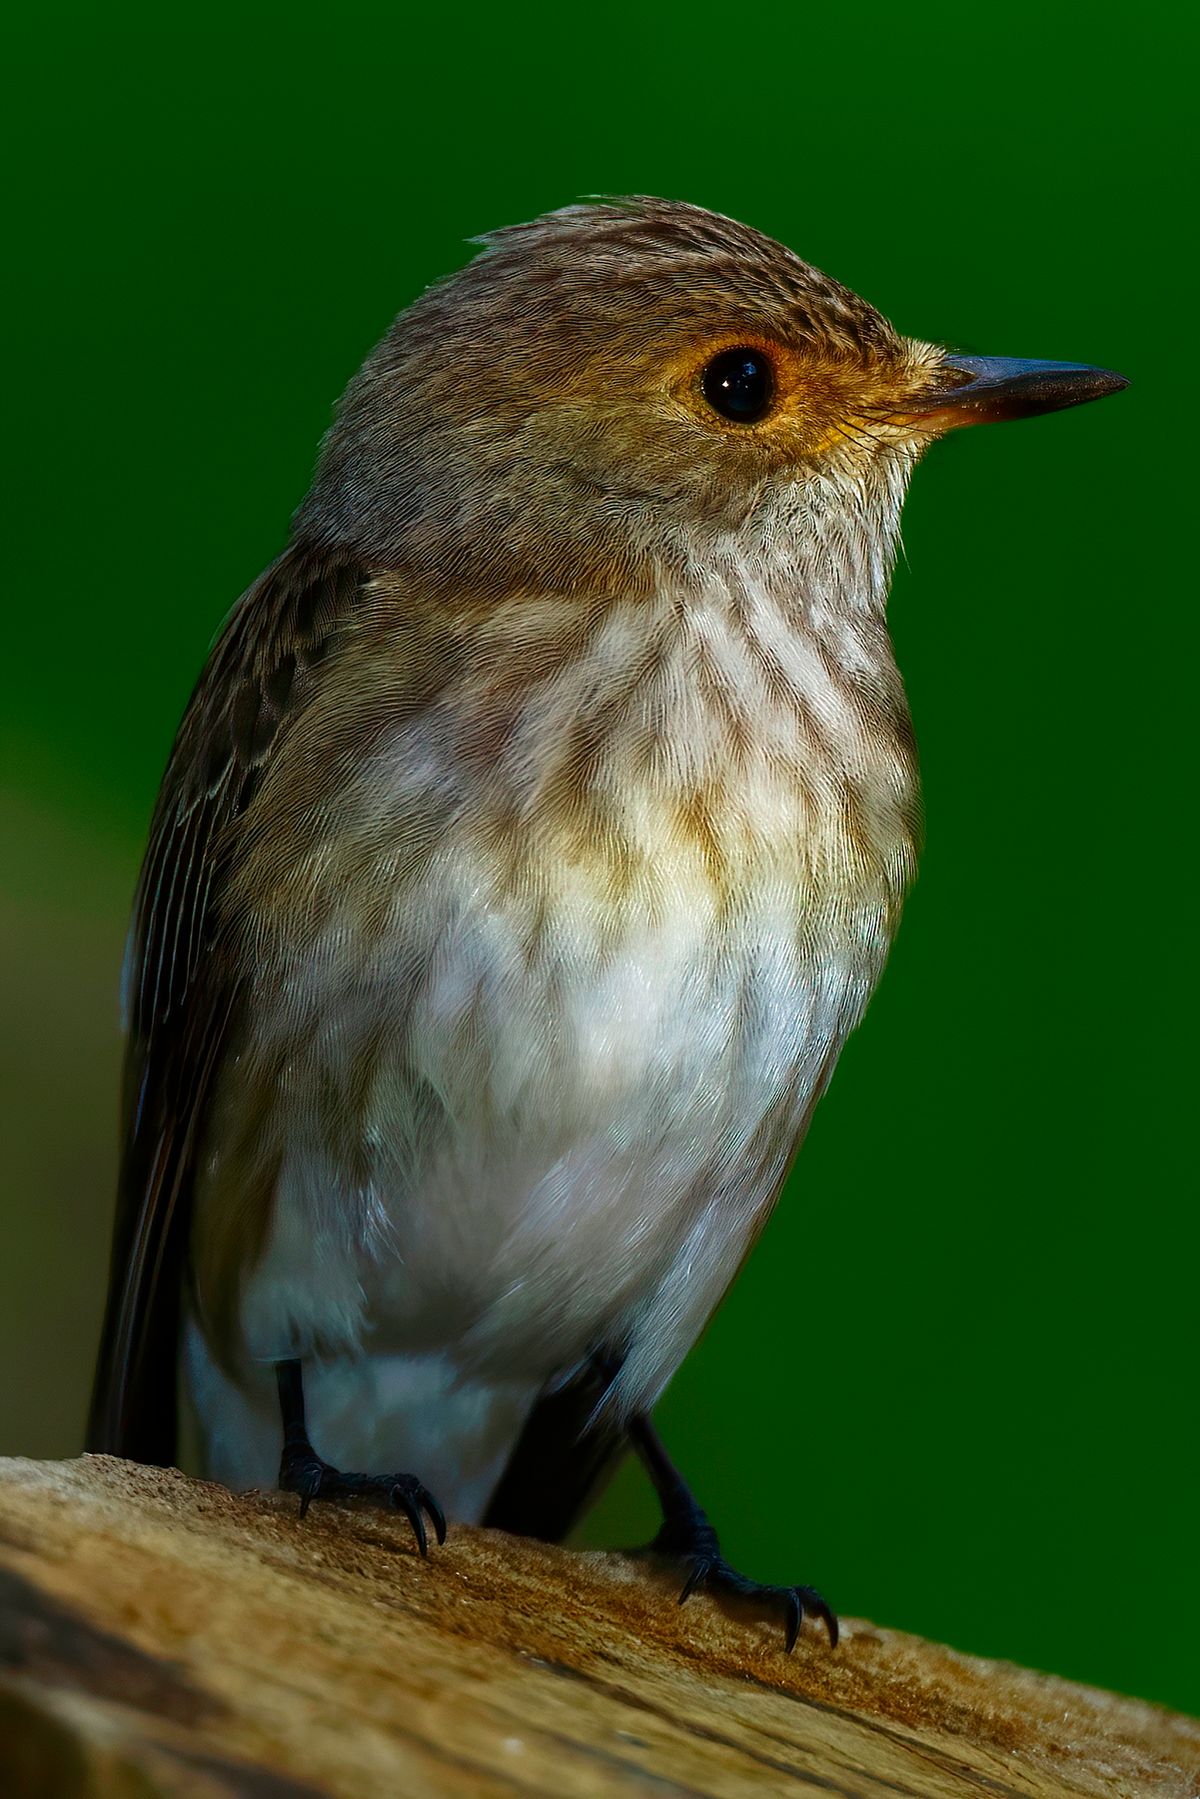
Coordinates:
(160, 1636)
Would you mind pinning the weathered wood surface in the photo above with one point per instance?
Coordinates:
(159, 1635)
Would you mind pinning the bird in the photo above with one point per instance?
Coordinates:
(533, 840)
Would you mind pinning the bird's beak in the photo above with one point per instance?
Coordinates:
(982, 390)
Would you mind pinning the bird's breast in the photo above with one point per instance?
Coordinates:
(540, 1012)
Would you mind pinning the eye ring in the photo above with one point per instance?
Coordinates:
(739, 384)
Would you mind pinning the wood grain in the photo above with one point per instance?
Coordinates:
(159, 1635)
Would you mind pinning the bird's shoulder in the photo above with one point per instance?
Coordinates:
(263, 671)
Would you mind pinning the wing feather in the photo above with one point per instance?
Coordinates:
(181, 995)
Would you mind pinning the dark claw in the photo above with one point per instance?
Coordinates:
(302, 1471)
(713, 1572)
(688, 1541)
(820, 1609)
(412, 1512)
(436, 1515)
(304, 1480)
(807, 1600)
(696, 1577)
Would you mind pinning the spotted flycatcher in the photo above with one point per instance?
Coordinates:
(534, 838)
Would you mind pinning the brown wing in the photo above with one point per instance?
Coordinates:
(179, 995)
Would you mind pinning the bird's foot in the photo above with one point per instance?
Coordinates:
(688, 1538)
(302, 1471)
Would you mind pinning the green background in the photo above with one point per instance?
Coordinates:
(956, 1384)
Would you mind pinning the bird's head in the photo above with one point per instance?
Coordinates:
(617, 388)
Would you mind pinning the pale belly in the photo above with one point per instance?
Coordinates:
(523, 1165)
(537, 1161)
(606, 1191)
(490, 1152)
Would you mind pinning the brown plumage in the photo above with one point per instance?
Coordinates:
(533, 839)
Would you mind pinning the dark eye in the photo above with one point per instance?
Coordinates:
(739, 384)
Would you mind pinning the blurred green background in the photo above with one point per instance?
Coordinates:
(956, 1384)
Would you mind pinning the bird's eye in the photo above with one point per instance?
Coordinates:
(739, 384)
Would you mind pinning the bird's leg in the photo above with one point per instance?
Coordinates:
(687, 1537)
(302, 1471)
